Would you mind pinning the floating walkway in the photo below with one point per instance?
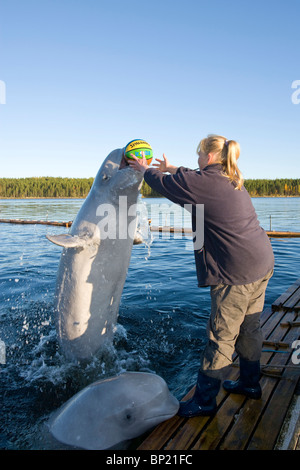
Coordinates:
(240, 423)
(35, 222)
(161, 229)
(188, 231)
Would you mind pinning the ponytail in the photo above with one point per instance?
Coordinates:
(227, 153)
(229, 156)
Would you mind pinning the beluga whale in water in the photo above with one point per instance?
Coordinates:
(113, 410)
(95, 259)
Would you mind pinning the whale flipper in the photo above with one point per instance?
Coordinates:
(70, 241)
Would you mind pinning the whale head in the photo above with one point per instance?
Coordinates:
(116, 175)
(114, 410)
(115, 178)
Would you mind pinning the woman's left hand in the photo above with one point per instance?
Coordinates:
(138, 164)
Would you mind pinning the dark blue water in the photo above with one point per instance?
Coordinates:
(162, 319)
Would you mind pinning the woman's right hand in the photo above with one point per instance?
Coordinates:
(164, 165)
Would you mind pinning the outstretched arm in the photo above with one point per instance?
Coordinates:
(171, 186)
(164, 166)
(140, 164)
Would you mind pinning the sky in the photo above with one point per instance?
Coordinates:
(80, 78)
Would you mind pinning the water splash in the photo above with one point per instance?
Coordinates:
(143, 227)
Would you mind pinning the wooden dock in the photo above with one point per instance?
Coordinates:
(241, 423)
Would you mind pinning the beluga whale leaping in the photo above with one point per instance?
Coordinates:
(95, 259)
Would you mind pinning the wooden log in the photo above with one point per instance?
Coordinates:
(153, 228)
(297, 306)
(276, 344)
(189, 231)
(170, 229)
(290, 323)
(282, 234)
(35, 222)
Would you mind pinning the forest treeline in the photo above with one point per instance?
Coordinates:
(52, 187)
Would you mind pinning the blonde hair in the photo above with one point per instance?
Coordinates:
(227, 152)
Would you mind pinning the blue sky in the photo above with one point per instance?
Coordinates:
(84, 77)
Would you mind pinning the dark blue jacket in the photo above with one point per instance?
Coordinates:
(236, 249)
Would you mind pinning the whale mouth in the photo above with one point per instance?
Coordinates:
(124, 163)
(162, 416)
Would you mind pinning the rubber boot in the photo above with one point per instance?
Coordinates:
(248, 383)
(203, 403)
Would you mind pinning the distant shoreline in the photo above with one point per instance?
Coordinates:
(144, 197)
(79, 188)
(31, 197)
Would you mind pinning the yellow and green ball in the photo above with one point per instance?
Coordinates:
(136, 147)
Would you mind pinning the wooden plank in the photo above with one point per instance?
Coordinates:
(211, 438)
(186, 435)
(274, 415)
(249, 416)
(292, 300)
(272, 322)
(265, 315)
(164, 431)
(238, 436)
(161, 434)
(276, 335)
(283, 297)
